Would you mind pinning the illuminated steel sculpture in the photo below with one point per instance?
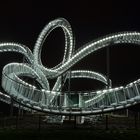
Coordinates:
(54, 100)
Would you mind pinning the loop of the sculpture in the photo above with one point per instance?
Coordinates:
(19, 48)
(64, 24)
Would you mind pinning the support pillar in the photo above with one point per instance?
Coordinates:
(39, 123)
(135, 120)
(11, 108)
(106, 122)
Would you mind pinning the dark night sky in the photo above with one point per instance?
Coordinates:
(22, 22)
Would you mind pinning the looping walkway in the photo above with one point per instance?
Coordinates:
(54, 100)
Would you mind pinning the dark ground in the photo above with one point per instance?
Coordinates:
(28, 127)
(70, 134)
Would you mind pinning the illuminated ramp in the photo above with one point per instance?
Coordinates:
(115, 98)
(54, 100)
